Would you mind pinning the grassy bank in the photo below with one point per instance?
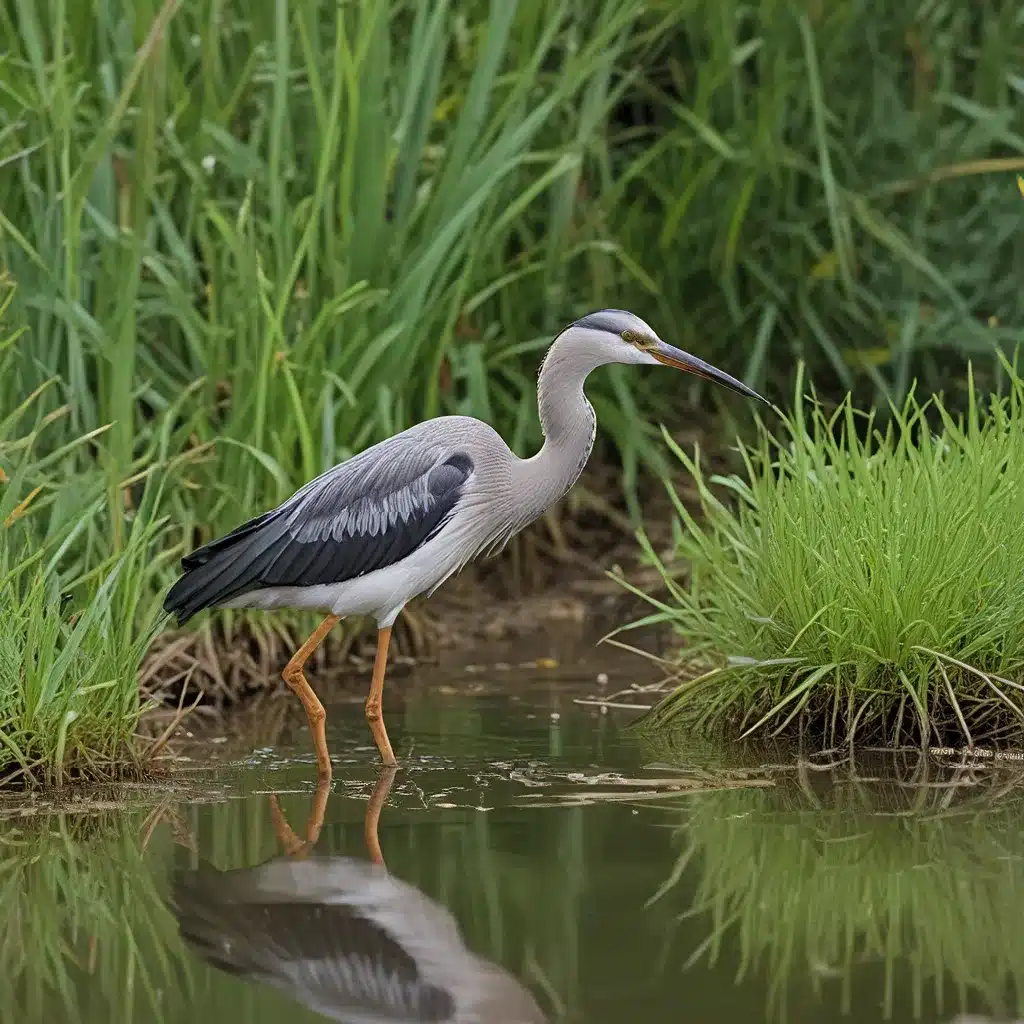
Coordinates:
(249, 242)
(77, 616)
(858, 582)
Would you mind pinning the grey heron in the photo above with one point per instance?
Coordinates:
(401, 517)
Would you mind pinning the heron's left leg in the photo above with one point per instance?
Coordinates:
(373, 712)
(314, 709)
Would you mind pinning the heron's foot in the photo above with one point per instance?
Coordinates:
(315, 713)
(374, 715)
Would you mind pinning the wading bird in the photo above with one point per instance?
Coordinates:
(398, 519)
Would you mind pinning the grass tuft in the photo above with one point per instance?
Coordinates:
(77, 606)
(861, 582)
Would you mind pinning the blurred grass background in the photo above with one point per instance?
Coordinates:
(325, 223)
(247, 242)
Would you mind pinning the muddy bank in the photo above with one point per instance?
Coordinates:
(544, 657)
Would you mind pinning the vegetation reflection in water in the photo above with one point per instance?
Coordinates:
(897, 875)
(869, 889)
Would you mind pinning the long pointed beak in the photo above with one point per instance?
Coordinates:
(691, 364)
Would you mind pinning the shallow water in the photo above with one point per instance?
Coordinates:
(610, 878)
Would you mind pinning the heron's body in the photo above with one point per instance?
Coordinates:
(473, 507)
(347, 940)
(401, 517)
(396, 520)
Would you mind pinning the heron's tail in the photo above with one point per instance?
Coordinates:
(225, 568)
(197, 589)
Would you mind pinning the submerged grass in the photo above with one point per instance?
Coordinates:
(860, 582)
(87, 929)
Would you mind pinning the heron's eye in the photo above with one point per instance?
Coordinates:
(642, 341)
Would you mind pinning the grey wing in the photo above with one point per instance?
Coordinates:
(367, 513)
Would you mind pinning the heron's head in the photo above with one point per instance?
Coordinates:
(618, 336)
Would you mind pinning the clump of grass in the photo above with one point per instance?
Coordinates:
(862, 583)
(77, 602)
(69, 692)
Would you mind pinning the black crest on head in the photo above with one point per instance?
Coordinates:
(614, 321)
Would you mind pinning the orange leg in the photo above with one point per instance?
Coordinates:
(373, 808)
(293, 676)
(373, 712)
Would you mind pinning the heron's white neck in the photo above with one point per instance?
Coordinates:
(567, 420)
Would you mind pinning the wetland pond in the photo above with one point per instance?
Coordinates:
(610, 877)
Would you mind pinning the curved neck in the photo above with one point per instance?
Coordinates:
(567, 420)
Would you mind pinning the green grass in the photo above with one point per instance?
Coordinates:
(338, 224)
(78, 612)
(857, 582)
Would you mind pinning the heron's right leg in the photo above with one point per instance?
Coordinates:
(293, 676)
(374, 715)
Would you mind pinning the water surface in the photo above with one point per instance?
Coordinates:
(610, 878)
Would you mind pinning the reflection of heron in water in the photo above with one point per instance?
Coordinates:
(343, 937)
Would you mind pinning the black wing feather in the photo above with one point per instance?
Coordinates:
(363, 515)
